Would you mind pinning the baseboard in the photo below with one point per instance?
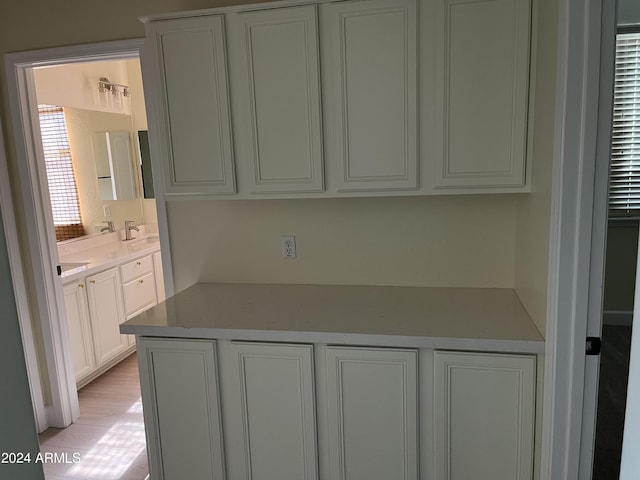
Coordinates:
(617, 317)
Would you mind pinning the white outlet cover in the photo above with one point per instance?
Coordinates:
(288, 246)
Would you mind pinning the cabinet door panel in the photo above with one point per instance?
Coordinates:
(272, 419)
(372, 413)
(181, 408)
(193, 96)
(484, 405)
(79, 329)
(106, 307)
(370, 73)
(276, 99)
(482, 92)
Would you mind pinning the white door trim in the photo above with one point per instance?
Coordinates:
(599, 233)
(36, 218)
(20, 293)
(571, 229)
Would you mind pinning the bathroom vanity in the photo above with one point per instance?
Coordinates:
(107, 281)
(339, 382)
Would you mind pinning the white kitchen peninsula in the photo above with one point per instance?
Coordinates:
(339, 382)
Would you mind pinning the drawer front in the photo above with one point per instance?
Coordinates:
(139, 294)
(136, 268)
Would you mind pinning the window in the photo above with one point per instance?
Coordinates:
(62, 184)
(624, 181)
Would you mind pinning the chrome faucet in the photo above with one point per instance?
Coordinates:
(128, 226)
(109, 227)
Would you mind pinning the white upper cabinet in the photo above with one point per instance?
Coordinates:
(482, 85)
(188, 58)
(342, 98)
(370, 80)
(274, 71)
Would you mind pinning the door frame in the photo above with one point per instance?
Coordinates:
(599, 233)
(39, 260)
(576, 243)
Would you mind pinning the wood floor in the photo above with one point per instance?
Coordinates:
(108, 438)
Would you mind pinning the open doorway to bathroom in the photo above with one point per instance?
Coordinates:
(93, 128)
(61, 82)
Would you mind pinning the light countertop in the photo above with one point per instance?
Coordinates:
(82, 262)
(484, 319)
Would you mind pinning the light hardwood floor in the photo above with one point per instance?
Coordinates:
(109, 435)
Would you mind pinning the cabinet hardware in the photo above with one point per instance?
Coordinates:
(138, 263)
(81, 285)
(92, 281)
(140, 281)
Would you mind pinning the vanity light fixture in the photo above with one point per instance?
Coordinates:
(114, 95)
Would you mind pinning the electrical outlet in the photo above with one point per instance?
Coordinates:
(288, 245)
(106, 210)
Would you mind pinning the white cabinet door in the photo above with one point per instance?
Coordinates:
(482, 92)
(181, 409)
(106, 308)
(484, 413)
(373, 418)
(273, 61)
(369, 75)
(270, 412)
(187, 57)
(79, 326)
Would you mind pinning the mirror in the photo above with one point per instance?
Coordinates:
(114, 167)
(106, 167)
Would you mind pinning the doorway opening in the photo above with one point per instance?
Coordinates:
(53, 77)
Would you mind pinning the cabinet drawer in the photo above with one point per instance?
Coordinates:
(136, 268)
(139, 294)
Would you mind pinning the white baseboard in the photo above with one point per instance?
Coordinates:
(617, 317)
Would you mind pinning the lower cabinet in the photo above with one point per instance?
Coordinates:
(106, 307)
(272, 414)
(79, 325)
(96, 306)
(270, 418)
(484, 416)
(179, 384)
(373, 413)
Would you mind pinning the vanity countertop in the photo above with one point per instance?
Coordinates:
(102, 256)
(483, 319)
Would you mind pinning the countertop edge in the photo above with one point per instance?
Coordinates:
(356, 339)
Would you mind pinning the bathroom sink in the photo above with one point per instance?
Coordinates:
(142, 243)
(66, 266)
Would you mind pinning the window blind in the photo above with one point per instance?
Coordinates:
(60, 178)
(624, 180)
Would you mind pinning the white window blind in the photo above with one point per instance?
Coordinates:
(60, 178)
(624, 181)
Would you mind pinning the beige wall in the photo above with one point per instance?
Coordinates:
(458, 241)
(76, 84)
(533, 211)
